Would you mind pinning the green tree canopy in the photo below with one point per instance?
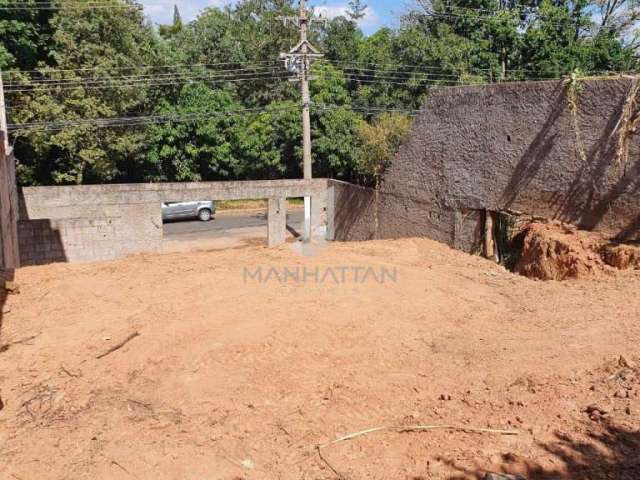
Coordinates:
(70, 63)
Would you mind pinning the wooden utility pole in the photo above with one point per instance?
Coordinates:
(3, 116)
(306, 97)
(298, 60)
(8, 212)
(8, 196)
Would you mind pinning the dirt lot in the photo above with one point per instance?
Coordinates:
(232, 378)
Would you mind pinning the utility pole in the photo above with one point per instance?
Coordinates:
(3, 115)
(298, 61)
(8, 197)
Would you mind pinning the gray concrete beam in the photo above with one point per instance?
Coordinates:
(146, 193)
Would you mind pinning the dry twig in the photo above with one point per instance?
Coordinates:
(415, 428)
(331, 467)
(69, 373)
(6, 346)
(119, 345)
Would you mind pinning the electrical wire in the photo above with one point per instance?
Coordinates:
(98, 5)
(137, 67)
(138, 120)
(185, 117)
(419, 68)
(155, 76)
(280, 76)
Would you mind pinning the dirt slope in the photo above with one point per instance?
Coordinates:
(231, 378)
(553, 250)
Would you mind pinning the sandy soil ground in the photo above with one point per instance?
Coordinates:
(233, 378)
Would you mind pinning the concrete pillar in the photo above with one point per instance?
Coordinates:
(277, 221)
(331, 211)
(319, 216)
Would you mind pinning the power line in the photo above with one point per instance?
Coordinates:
(233, 75)
(49, 70)
(408, 111)
(98, 5)
(184, 117)
(418, 76)
(426, 68)
(150, 83)
(156, 76)
(385, 68)
(138, 120)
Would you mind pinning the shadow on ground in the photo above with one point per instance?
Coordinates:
(611, 454)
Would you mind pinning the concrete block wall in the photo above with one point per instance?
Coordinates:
(103, 222)
(67, 240)
(350, 212)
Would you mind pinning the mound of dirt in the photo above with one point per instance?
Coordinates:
(557, 251)
(621, 256)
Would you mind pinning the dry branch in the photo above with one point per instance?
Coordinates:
(338, 475)
(6, 346)
(119, 345)
(414, 428)
(628, 122)
(69, 373)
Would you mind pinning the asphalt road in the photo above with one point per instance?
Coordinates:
(226, 224)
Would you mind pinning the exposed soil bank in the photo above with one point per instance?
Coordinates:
(557, 251)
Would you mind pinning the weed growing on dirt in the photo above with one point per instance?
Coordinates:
(509, 245)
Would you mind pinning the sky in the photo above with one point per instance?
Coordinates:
(379, 12)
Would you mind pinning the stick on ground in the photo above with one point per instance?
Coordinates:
(413, 428)
(119, 345)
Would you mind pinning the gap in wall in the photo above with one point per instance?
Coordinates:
(221, 224)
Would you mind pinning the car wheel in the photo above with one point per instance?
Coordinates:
(204, 215)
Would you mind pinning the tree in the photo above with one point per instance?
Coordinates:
(167, 31)
(245, 35)
(219, 141)
(335, 125)
(177, 19)
(198, 149)
(24, 34)
(619, 18)
(342, 40)
(379, 143)
(357, 10)
(510, 40)
(99, 63)
(87, 43)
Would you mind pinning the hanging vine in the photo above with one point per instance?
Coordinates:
(573, 88)
(629, 122)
